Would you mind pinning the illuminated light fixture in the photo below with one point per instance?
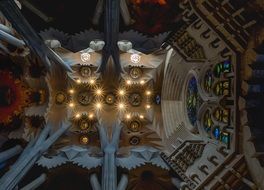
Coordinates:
(77, 115)
(142, 82)
(91, 81)
(78, 81)
(71, 105)
(121, 92)
(128, 82)
(148, 92)
(141, 116)
(135, 58)
(128, 116)
(98, 105)
(85, 57)
(71, 91)
(91, 116)
(98, 92)
(84, 140)
(121, 106)
(147, 106)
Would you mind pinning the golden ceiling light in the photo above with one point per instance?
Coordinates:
(71, 105)
(99, 92)
(128, 116)
(148, 92)
(77, 116)
(92, 81)
(142, 82)
(71, 91)
(128, 82)
(91, 116)
(148, 106)
(121, 106)
(121, 92)
(141, 116)
(78, 81)
(98, 105)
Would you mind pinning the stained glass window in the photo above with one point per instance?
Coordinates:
(208, 81)
(224, 67)
(222, 115)
(222, 88)
(193, 100)
(217, 132)
(225, 138)
(208, 123)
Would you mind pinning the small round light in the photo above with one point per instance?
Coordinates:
(121, 106)
(84, 140)
(142, 82)
(91, 116)
(98, 105)
(128, 116)
(141, 116)
(99, 92)
(121, 92)
(78, 81)
(92, 81)
(71, 105)
(77, 115)
(148, 92)
(71, 91)
(128, 82)
(147, 106)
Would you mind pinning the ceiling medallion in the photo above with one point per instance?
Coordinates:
(134, 140)
(110, 99)
(135, 72)
(85, 71)
(60, 98)
(135, 126)
(84, 140)
(85, 57)
(135, 58)
(135, 99)
(85, 98)
(84, 124)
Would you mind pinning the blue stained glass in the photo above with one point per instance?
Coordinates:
(216, 132)
(158, 99)
(225, 138)
(192, 100)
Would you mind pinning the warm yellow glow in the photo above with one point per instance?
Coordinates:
(128, 82)
(141, 116)
(128, 116)
(71, 105)
(92, 81)
(121, 106)
(142, 82)
(98, 105)
(121, 92)
(148, 92)
(77, 115)
(147, 106)
(98, 92)
(91, 116)
(78, 81)
(71, 91)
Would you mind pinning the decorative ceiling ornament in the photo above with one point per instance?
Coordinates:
(14, 96)
(135, 58)
(60, 98)
(135, 126)
(135, 99)
(135, 72)
(85, 97)
(85, 71)
(85, 57)
(141, 156)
